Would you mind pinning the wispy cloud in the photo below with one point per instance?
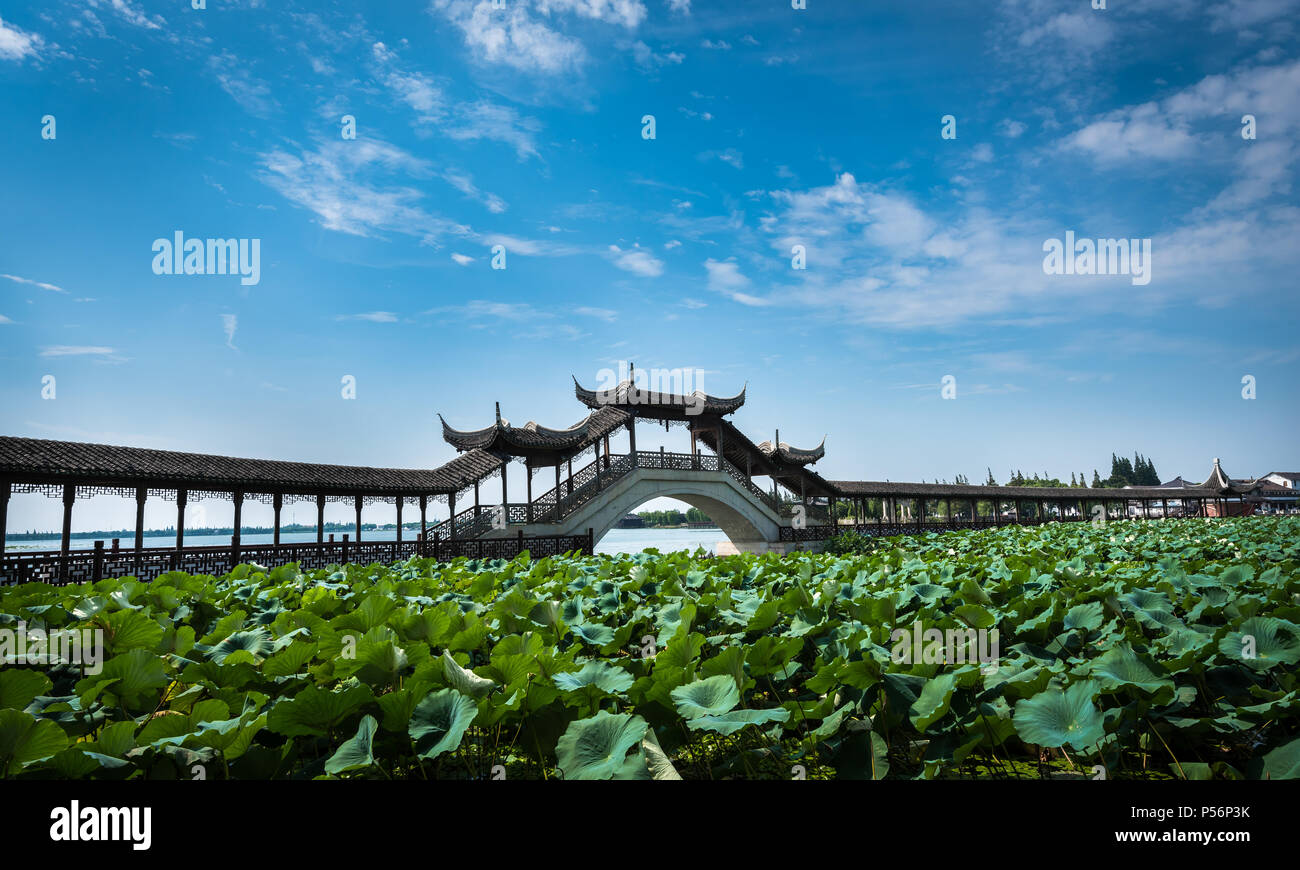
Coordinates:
(370, 317)
(236, 80)
(102, 354)
(339, 182)
(229, 323)
(40, 284)
(605, 314)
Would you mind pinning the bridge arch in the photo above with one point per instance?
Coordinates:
(738, 516)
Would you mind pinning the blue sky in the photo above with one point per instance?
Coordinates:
(522, 127)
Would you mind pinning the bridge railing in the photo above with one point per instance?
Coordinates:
(89, 566)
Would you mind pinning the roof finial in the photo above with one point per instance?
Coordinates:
(498, 413)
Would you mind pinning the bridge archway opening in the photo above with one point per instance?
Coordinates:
(732, 524)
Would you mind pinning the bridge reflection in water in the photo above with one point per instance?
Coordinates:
(792, 510)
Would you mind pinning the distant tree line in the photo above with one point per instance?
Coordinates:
(1138, 471)
(673, 517)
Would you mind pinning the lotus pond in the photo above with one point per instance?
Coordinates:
(1149, 650)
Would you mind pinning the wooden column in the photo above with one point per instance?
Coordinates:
(505, 495)
(631, 440)
(181, 496)
(569, 480)
(277, 502)
(528, 488)
(400, 499)
(451, 507)
(69, 496)
(238, 498)
(722, 450)
(141, 494)
(358, 503)
(320, 519)
(1164, 508)
(424, 516)
(478, 508)
(5, 489)
(557, 491)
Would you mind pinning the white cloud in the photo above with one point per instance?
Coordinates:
(235, 79)
(468, 121)
(370, 317)
(129, 13)
(682, 7)
(335, 181)
(731, 157)
(465, 184)
(1011, 129)
(1187, 126)
(646, 57)
(16, 43)
(229, 323)
(4, 319)
(76, 350)
(462, 259)
(725, 278)
(40, 284)
(720, 45)
(1140, 132)
(524, 34)
(495, 122)
(637, 261)
(1242, 14)
(605, 314)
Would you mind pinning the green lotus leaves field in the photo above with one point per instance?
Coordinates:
(1127, 650)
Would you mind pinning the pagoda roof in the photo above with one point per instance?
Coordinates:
(529, 440)
(793, 455)
(1217, 480)
(629, 397)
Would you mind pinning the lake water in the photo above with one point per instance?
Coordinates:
(617, 541)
